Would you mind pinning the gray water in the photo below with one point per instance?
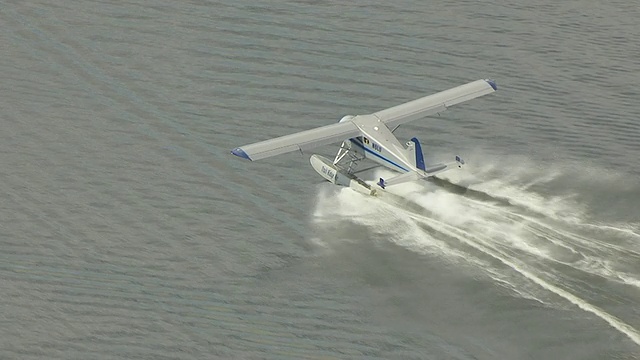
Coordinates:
(129, 231)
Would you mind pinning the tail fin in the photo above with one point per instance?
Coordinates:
(419, 156)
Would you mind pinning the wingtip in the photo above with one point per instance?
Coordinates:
(492, 83)
(240, 153)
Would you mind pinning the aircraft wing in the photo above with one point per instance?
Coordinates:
(435, 103)
(301, 141)
(392, 117)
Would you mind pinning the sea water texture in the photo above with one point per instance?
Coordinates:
(128, 230)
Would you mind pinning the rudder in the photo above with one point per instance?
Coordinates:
(419, 156)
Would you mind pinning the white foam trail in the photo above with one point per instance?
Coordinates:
(587, 262)
(559, 210)
(554, 207)
(513, 185)
(380, 216)
(500, 279)
(616, 323)
(500, 230)
(630, 280)
(590, 242)
(453, 214)
(627, 231)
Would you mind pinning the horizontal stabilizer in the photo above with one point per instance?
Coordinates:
(416, 175)
(406, 177)
(438, 168)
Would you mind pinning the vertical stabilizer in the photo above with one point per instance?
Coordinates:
(419, 156)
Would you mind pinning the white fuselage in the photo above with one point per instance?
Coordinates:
(380, 145)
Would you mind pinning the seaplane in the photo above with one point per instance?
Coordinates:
(371, 137)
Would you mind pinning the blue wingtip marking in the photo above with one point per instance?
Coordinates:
(492, 83)
(381, 183)
(239, 152)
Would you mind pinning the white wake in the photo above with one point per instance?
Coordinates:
(513, 224)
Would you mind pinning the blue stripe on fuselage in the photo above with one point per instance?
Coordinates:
(361, 145)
